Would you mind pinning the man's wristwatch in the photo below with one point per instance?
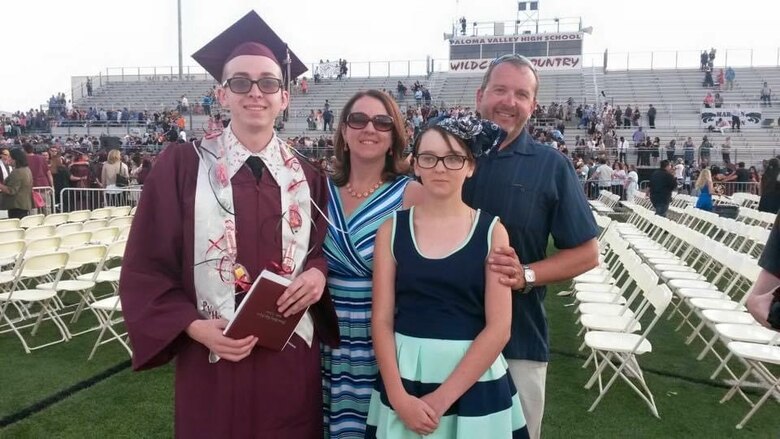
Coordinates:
(530, 279)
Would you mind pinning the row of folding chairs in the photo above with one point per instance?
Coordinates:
(605, 203)
(711, 283)
(682, 200)
(738, 235)
(745, 199)
(35, 294)
(619, 303)
(639, 198)
(756, 217)
(55, 219)
(38, 232)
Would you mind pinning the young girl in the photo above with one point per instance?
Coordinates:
(440, 318)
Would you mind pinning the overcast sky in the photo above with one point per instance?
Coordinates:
(48, 41)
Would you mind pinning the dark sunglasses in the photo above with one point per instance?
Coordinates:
(358, 121)
(244, 85)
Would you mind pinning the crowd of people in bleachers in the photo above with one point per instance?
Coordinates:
(21, 123)
(157, 126)
(610, 117)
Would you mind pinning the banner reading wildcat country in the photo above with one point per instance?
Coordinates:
(560, 51)
(540, 62)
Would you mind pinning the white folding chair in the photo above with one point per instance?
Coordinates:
(728, 332)
(55, 219)
(106, 309)
(9, 224)
(621, 322)
(730, 310)
(47, 266)
(116, 251)
(10, 252)
(606, 291)
(42, 245)
(101, 213)
(124, 233)
(65, 229)
(79, 216)
(119, 211)
(39, 232)
(105, 235)
(11, 235)
(77, 259)
(120, 221)
(757, 357)
(624, 347)
(31, 221)
(94, 224)
(74, 240)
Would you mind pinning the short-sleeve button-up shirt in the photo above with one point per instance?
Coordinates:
(535, 192)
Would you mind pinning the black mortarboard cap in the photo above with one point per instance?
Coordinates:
(248, 36)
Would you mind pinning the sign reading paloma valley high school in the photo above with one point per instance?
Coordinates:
(548, 51)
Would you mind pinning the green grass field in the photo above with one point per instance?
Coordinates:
(56, 392)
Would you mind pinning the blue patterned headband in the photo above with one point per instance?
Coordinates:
(481, 135)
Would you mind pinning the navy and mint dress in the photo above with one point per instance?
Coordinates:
(440, 310)
(348, 372)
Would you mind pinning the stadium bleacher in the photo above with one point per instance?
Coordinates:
(677, 94)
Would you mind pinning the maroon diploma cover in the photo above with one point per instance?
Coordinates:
(257, 314)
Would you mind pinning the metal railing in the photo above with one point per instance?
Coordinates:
(651, 158)
(47, 193)
(195, 123)
(157, 73)
(721, 187)
(72, 199)
(634, 60)
(681, 59)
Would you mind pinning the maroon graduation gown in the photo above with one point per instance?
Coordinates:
(266, 395)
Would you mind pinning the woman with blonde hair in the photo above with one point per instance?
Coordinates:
(112, 168)
(704, 185)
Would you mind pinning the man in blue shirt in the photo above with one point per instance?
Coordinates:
(535, 192)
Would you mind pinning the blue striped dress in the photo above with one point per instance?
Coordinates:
(349, 371)
(440, 310)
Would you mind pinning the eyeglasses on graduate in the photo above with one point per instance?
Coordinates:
(452, 162)
(381, 122)
(243, 85)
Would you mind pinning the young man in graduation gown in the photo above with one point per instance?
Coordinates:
(237, 202)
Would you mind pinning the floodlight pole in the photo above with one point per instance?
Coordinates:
(181, 64)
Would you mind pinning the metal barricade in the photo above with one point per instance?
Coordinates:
(732, 187)
(728, 188)
(72, 199)
(47, 193)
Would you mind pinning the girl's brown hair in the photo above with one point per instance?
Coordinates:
(449, 138)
